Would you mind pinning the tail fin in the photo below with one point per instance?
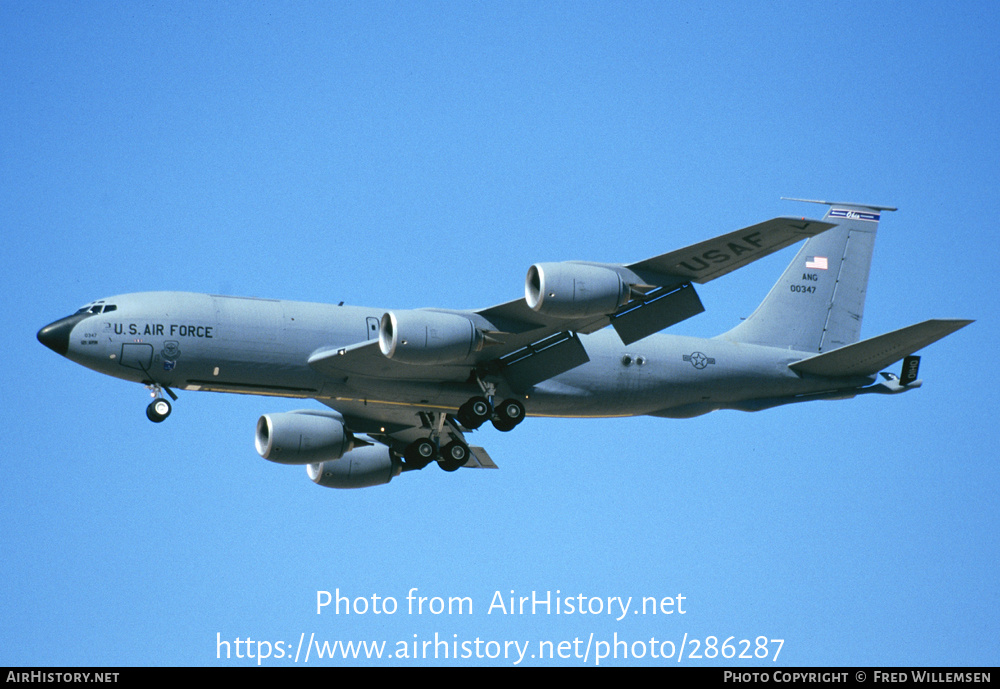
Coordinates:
(818, 303)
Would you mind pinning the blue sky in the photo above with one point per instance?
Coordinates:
(425, 154)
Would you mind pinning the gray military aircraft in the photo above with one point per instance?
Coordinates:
(405, 386)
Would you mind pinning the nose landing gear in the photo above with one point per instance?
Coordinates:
(159, 409)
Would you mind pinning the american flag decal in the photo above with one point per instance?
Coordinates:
(817, 262)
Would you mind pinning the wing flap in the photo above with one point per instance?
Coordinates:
(663, 308)
(543, 360)
(479, 458)
(870, 356)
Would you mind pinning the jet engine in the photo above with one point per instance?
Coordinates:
(574, 290)
(360, 468)
(428, 337)
(302, 437)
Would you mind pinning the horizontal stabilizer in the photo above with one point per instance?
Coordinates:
(870, 356)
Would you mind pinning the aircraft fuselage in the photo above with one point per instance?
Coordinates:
(262, 346)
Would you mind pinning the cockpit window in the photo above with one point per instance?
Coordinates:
(99, 307)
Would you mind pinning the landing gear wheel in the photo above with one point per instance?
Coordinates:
(508, 414)
(502, 425)
(454, 456)
(158, 410)
(474, 413)
(420, 453)
(511, 411)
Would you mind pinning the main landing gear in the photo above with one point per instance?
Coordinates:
(422, 452)
(478, 410)
(473, 414)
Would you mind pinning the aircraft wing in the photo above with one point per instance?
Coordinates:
(714, 258)
(530, 342)
(699, 263)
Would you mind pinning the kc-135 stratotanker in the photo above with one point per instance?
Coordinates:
(404, 387)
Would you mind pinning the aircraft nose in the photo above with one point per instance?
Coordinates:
(55, 335)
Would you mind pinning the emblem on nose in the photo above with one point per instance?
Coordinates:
(171, 350)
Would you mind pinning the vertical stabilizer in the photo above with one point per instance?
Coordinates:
(818, 303)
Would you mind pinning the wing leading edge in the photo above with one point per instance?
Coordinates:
(716, 257)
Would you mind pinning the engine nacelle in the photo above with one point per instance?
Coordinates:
(360, 468)
(302, 437)
(427, 337)
(574, 290)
